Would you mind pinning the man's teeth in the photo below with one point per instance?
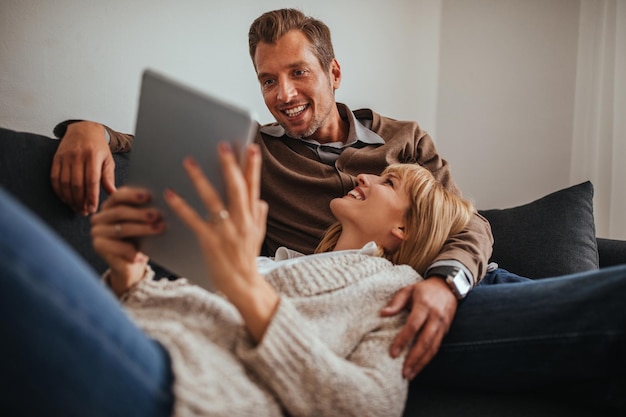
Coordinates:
(295, 111)
(355, 194)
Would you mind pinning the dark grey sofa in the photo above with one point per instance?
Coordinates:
(550, 236)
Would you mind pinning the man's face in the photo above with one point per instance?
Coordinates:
(296, 90)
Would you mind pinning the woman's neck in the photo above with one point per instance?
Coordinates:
(348, 242)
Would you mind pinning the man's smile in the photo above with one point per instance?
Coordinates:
(295, 111)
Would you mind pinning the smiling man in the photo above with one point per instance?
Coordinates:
(314, 152)
(311, 154)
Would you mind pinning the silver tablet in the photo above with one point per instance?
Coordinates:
(175, 121)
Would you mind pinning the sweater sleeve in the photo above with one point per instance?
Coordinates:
(310, 379)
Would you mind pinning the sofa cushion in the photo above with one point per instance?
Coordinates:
(25, 162)
(551, 236)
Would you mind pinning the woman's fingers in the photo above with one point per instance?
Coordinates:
(207, 193)
(252, 173)
(242, 188)
(236, 186)
(113, 249)
(185, 212)
(134, 196)
(122, 219)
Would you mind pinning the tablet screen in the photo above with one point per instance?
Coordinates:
(175, 121)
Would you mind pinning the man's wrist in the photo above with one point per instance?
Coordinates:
(60, 130)
(454, 276)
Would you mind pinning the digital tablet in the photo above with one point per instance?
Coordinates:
(175, 121)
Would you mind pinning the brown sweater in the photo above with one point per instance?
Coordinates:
(325, 352)
(298, 187)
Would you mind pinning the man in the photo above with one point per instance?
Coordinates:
(312, 154)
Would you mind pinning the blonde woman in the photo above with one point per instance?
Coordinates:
(294, 334)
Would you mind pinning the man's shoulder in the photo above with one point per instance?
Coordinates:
(369, 114)
(379, 123)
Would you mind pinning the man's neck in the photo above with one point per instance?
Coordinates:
(334, 132)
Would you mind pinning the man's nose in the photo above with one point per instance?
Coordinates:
(286, 91)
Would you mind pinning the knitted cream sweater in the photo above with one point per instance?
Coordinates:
(325, 352)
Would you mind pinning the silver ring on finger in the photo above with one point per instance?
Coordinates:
(118, 229)
(218, 216)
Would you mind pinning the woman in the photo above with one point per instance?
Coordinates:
(304, 337)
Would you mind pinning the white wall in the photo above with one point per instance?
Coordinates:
(492, 80)
(83, 59)
(506, 96)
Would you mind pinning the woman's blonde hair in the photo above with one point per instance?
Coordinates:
(434, 215)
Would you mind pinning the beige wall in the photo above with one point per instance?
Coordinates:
(68, 58)
(493, 81)
(506, 96)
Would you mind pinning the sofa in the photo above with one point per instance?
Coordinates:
(552, 235)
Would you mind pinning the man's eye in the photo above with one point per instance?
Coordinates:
(267, 83)
(299, 73)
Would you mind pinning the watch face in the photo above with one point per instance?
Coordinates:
(458, 283)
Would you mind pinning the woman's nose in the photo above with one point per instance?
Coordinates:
(364, 179)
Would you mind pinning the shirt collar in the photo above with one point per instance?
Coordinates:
(370, 249)
(358, 132)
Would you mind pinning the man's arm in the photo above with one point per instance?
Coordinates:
(432, 302)
(470, 249)
(83, 160)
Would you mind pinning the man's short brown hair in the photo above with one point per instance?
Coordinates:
(271, 26)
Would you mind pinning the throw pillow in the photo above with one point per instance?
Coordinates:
(551, 236)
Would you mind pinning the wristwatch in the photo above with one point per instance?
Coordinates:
(454, 277)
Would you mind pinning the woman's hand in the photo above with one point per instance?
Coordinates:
(232, 236)
(115, 230)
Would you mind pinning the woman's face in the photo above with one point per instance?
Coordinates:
(374, 210)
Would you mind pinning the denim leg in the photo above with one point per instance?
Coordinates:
(68, 348)
(539, 334)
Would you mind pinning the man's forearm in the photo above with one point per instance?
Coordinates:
(118, 142)
(472, 248)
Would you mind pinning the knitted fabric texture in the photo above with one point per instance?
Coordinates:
(325, 352)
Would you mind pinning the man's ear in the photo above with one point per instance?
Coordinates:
(335, 74)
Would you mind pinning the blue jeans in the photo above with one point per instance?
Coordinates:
(563, 335)
(68, 348)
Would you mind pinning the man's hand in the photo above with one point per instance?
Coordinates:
(82, 160)
(432, 305)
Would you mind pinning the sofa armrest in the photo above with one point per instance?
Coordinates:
(611, 251)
